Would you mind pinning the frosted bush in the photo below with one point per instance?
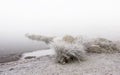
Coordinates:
(101, 45)
(82, 40)
(68, 39)
(45, 39)
(67, 52)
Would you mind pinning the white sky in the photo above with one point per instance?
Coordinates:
(58, 17)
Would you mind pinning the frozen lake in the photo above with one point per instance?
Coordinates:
(10, 44)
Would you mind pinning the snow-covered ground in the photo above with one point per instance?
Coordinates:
(97, 64)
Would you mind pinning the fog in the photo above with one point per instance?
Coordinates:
(94, 18)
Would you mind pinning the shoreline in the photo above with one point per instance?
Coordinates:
(18, 56)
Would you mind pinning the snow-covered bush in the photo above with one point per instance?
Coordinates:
(68, 39)
(45, 39)
(68, 52)
(101, 45)
(82, 40)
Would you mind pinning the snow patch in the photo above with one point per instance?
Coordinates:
(39, 53)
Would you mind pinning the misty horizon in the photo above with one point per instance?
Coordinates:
(44, 17)
(57, 18)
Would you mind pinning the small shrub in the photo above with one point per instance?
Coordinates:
(68, 39)
(45, 39)
(67, 52)
(81, 40)
(101, 45)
